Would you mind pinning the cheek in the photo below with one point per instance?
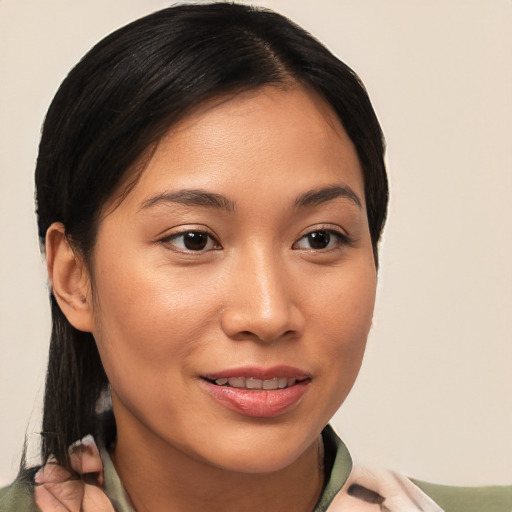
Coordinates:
(347, 312)
(146, 320)
(347, 298)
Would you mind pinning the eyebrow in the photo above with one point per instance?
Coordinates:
(191, 197)
(324, 194)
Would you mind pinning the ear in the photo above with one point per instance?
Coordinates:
(69, 278)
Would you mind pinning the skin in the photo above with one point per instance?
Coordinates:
(258, 294)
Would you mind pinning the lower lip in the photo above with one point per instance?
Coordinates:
(258, 403)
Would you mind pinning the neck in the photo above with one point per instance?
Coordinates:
(163, 478)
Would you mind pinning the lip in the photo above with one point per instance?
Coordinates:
(256, 372)
(258, 403)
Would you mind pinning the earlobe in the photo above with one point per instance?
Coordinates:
(69, 279)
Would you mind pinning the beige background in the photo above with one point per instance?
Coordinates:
(434, 396)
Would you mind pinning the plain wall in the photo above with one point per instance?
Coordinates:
(433, 399)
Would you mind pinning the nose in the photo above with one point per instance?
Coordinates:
(262, 302)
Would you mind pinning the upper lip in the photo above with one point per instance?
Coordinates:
(257, 372)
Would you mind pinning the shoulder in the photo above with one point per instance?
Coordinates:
(19, 496)
(351, 487)
(367, 487)
(469, 499)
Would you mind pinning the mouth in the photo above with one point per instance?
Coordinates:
(258, 392)
(257, 384)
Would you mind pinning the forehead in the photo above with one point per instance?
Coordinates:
(255, 139)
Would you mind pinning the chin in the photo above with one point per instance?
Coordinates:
(260, 451)
(256, 461)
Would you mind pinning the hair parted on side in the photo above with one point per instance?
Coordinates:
(119, 100)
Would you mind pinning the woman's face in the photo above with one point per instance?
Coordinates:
(234, 285)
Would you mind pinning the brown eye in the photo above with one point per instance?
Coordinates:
(320, 240)
(195, 240)
(192, 241)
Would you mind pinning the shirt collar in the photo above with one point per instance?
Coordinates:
(338, 465)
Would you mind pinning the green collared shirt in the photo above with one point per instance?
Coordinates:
(18, 497)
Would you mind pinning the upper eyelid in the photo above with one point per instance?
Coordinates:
(344, 238)
(172, 236)
(333, 228)
(328, 230)
(184, 230)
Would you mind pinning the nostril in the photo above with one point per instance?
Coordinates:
(262, 337)
(270, 338)
(240, 321)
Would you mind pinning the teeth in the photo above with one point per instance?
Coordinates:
(271, 384)
(237, 382)
(252, 383)
(282, 382)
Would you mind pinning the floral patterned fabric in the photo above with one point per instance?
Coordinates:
(368, 490)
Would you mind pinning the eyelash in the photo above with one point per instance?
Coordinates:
(342, 239)
(170, 240)
(326, 233)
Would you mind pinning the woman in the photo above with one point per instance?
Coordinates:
(210, 192)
